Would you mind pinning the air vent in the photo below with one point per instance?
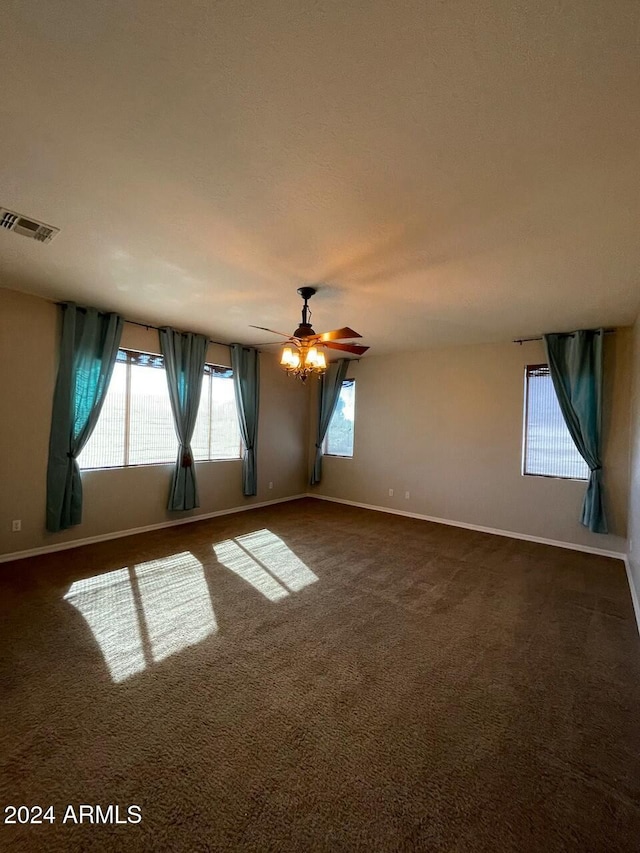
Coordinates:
(11, 221)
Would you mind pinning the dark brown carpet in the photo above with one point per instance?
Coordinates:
(385, 684)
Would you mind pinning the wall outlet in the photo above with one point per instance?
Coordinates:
(390, 493)
(407, 496)
(270, 484)
(16, 526)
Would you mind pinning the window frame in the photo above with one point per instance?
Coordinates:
(325, 441)
(525, 431)
(131, 357)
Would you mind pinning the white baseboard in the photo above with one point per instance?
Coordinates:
(618, 555)
(118, 534)
(634, 592)
(104, 537)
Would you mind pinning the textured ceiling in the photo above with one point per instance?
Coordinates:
(451, 172)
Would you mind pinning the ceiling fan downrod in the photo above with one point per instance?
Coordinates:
(304, 329)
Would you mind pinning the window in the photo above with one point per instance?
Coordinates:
(136, 422)
(339, 438)
(217, 434)
(549, 450)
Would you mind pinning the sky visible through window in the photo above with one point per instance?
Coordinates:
(549, 448)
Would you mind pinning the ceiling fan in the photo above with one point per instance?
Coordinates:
(302, 356)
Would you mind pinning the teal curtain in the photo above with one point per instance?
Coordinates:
(246, 379)
(575, 365)
(330, 386)
(88, 350)
(184, 359)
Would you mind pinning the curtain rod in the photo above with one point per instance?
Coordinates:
(562, 334)
(151, 326)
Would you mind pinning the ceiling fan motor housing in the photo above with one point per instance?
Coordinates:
(304, 330)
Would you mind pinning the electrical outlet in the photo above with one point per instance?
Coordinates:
(16, 526)
(407, 496)
(270, 484)
(390, 493)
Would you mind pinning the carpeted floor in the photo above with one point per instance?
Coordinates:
(312, 676)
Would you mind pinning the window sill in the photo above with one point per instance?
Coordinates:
(158, 464)
(557, 477)
(221, 459)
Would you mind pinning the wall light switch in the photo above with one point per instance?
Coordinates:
(390, 493)
(407, 495)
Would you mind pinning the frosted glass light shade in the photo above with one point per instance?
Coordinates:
(303, 360)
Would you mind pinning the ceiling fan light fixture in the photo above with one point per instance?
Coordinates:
(303, 362)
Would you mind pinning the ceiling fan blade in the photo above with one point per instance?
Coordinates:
(354, 348)
(273, 332)
(265, 344)
(338, 335)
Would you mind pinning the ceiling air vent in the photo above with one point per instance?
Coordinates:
(11, 221)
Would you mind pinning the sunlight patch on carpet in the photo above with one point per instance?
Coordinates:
(141, 615)
(231, 555)
(176, 604)
(263, 560)
(108, 606)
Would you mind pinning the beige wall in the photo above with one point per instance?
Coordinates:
(446, 425)
(121, 498)
(634, 489)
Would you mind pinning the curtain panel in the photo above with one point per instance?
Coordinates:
(184, 359)
(88, 350)
(576, 368)
(330, 386)
(246, 378)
